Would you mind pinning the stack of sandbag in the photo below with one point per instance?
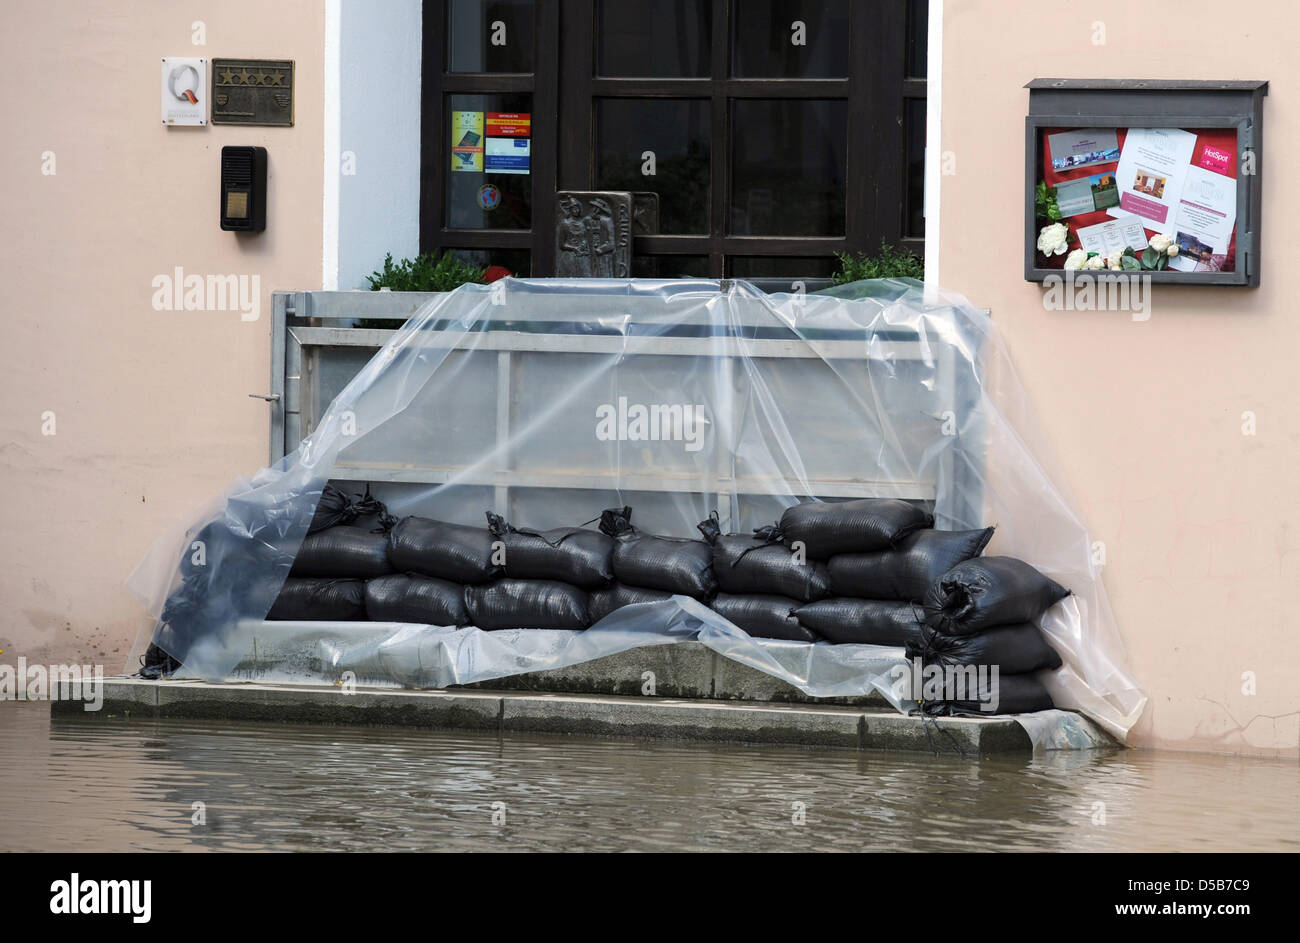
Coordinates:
(506, 579)
(984, 613)
(545, 578)
(870, 571)
(438, 573)
(876, 594)
(650, 568)
(780, 580)
(328, 579)
(761, 583)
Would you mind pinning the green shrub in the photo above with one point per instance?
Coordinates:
(888, 263)
(425, 273)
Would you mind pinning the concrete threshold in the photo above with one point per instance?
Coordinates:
(593, 715)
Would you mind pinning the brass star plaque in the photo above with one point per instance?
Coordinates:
(252, 91)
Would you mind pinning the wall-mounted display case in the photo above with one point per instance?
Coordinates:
(1157, 178)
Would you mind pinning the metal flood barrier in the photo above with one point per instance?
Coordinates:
(322, 339)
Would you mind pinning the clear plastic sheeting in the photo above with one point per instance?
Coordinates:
(547, 401)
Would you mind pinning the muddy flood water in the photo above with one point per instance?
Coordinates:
(113, 784)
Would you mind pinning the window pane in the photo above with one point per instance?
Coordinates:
(791, 39)
(490, 36)
(676, 133)
(655, 40)
(489, 180)
(514, 261)
(787, 165)
(783, 266)
(670, 266)
(918, 20)
(914, 217)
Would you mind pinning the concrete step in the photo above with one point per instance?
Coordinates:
(684, 670)
(499, 712)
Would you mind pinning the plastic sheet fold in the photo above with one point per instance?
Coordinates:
(547, 401)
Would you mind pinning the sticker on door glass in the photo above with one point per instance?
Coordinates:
(489, 197)
(509, 124)
(467, 141)
(507, 155)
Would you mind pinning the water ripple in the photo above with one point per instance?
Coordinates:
(108, 784)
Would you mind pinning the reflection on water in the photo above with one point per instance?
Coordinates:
(106, 784)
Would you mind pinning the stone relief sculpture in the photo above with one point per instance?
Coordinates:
(593, 235)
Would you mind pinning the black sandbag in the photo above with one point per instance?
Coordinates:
(185, 599)
(601, 602)
(764, 616)
(414, 598)
(1017, 694)
(1015, 649)
(744, 563)
(527, 604)
(235, 572)
(863, 621)
(670, 563)
(989, 591)
(337, 506)
(342, 552)
(828, 528)
(454, 552)
(568, 554)
(233, 546)
(156, 663)
(316, 600)
(907, 571)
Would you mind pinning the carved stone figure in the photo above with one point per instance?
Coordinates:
(571, 242)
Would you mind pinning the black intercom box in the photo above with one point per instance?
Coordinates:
(243, 189)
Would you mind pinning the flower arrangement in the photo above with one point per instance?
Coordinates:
(1053, 239)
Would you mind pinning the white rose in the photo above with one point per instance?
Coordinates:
(1052, 239)
(1076, 259)
(1160, 242)
(1094, 263)
(1113, 260)
(1172, 250)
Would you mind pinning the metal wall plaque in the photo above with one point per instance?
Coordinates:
(593, 234)
(184, 91)
(252, 91)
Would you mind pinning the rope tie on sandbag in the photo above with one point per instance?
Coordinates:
(932, 643)
(710, 527)
(614, 521)
(924, 650)
(498, 527)
(364, 505)
(768, 534)
(546, 540)
(925, 725)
